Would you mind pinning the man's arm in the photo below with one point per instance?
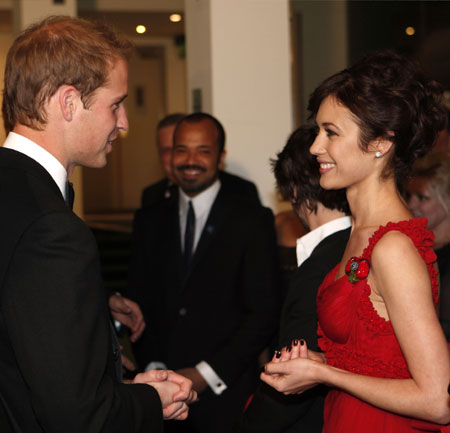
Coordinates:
(259, 273)
(57, 318)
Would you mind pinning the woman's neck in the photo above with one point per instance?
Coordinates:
(375, 202)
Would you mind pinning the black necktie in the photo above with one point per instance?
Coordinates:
(189, 235)
(70, 194)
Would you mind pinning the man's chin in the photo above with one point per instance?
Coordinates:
(193, 188)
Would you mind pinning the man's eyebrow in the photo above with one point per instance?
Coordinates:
(118, 101)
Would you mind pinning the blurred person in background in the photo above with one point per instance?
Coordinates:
(429, 197)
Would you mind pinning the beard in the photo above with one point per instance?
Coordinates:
(193, 186)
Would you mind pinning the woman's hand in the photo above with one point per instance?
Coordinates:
(297, 349)
(293, 370)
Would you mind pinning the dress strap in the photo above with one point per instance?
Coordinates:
(422, 238)
(415, 229)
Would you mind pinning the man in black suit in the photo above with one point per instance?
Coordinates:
(166, 187)
(204, 271)
(323, 213)
(65, 82)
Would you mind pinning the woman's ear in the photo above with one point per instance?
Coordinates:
(381, 146)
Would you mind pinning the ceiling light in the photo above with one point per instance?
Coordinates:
(175, 18)
(410, 31)
(141, 29)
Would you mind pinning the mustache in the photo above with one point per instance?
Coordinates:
(190, 167)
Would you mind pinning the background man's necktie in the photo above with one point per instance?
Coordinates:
(189, 235)
(70, 194)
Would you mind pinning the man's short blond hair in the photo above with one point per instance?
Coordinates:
(57, 51)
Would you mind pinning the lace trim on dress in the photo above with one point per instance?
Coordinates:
(366, 313)
(366, 364)
(423, 239)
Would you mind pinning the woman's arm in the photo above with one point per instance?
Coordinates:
(400, 278)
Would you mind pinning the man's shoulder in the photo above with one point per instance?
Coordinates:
(158, 210)
(26, 184)
(332, 246)
(238, 186)
(157, 192)
(156, 186)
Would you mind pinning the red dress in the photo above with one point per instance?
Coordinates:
(355, 338)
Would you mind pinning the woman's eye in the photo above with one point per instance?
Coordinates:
(330, 132)
(422, 197)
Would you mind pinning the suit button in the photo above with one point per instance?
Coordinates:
(116, 354)
(182, 312)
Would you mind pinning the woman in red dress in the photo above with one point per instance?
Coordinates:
(384, 356)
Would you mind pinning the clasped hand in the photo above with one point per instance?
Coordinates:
(294, 369)
(175, 391)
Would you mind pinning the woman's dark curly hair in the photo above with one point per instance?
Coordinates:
(391, 98)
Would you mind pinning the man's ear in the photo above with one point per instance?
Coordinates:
(222, 159)
(68, 100)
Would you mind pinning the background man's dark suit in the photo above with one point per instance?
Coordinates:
(223, 311)
(59, 359)
(271, 411)
(164, 189)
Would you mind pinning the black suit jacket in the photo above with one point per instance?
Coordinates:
(270, 411)
(224, 310)
(164, 189)
(59, 360)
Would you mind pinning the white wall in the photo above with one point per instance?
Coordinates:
(244, 73)
(31, 11)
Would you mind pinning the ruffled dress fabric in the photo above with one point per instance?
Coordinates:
(355, 338)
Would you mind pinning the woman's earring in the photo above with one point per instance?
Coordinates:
(378, 154)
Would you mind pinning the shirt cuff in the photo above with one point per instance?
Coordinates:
(215, 382)
(155, 365)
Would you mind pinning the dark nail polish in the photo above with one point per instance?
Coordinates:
(449, 389)
(295, 342)
(289, 348)
(302, 342)
(263, 369)
(277, 354)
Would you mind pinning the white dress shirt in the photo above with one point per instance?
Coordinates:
(23, 145)
(202, 204)
(307, 243)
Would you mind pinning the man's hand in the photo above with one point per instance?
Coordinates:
(175, 391)
(129, 314)
(198, 383)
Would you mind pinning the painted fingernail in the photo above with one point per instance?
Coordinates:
(277, 354)
(302, 342)
(263, 369)
(295, 342)
(289, 348)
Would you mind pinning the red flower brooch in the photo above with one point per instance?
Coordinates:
(357, 269)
